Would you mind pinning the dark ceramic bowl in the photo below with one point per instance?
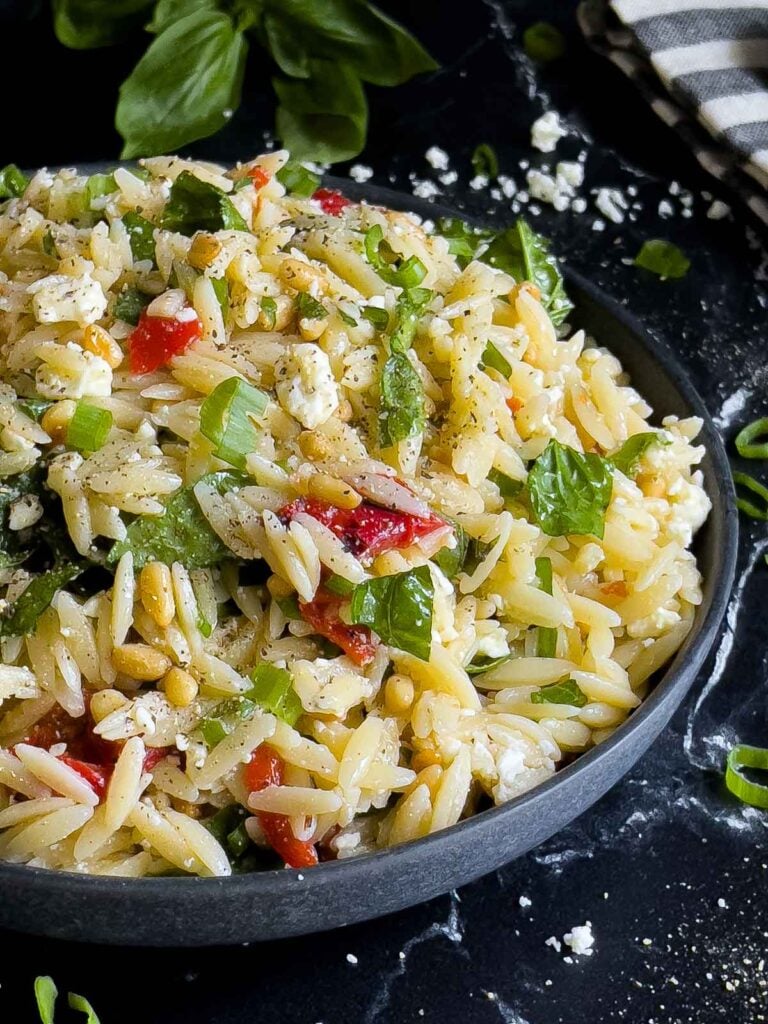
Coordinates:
(276, 904)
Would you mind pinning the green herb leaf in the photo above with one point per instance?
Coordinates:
(141, 234)
(13, 182)
(45, 996)
(87, 24)
(376, 316)
(493, 359)
(223, 719)
(570, 491)
(308, 308)
(451, 560)
(269, 309)
(130, 304)
(628, 457)
(298, 180)
(464, 240)
(289, 606)
(196, 205)
(89, 427)
(33, 407)
(273, 690)
(325, 116)
(81, 1004)
(485, 162)
(543, 42)
(399, 609)
(169, 11)
(408, 310)
(567, 692)
(746, 505)
(401, 408)
(97, 186)
(663, 258)
(338, 585)
(185, 87)
(523, 254)
(477, 668)
(49, 244)
(546, 636)
(745, 440)
(508, 488)
(742, 756)
(182, 533)
(221, 291)
(21, 616)
(226, 419)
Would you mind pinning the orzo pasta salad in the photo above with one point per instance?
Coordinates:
(318, 531)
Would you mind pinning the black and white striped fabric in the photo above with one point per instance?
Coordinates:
(703, 66)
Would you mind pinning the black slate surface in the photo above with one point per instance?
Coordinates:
(669, 869)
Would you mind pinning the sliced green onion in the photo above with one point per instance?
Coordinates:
(376, 316)
(221, 291)
(13, 182)
(663, 258)
(543, 42)
(546, 636)
(411, 273)
(388, 265)
(273, 690)
(346, 318)
(746, 505)
(226, 419)
(745, 440)
(141, 234)
(130, 304)
(485, 162)
(45, 996)
(289, 606)
(309, 308)
(567, 692)
(213, 731)
(269, 309)
(494, 360)
(743, 756)
(99, 185)
(338, 585)
(185, 277)
(296, 179)
(89, 427)
(81, 1004)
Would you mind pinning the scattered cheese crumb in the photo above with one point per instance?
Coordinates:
(580, 939)
(554, 943)
(546, 132)
(351, 958)
(611, 203)
(479, 181)
(449, 178)
(718, 210)
(437, 158)
(360, 173)
(666, 209)
(721, 903)
(425, 189)
(524, 902)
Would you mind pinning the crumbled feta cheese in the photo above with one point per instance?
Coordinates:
(86, 375)
(25, 512)
(580, 939)
(524, 902)
(666, 209)
(579, 205)
(360, 173)
(546, 132)
(598, 225)
(570, 174)
(611, 203)
(554, 943)
(305, 385)
(718, 210)
(507, 185)
(425, 189)
(59, 297)
(437, 158)
(479, 181)
(449, 178)
(351, 958)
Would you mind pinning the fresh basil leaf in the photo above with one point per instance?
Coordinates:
(628, 457)
(185, 87)
(45, 997)
(663, 258)
(87, 24)
(323, 117)
(22, 615)
(570, 491)
(289, 606)
(493, 359)
(141, 234)
(81, 1004)
(13, 182)
(546, 636)
(464, 240)
(298, 180)
(49, 244)
(451, 560)
(345, 31)
(376, 316)
(181, 534)
(221, 291)
(477, 668)
(17, 545)
(169, 11)
(338, 585)
(130, 304)
(33, 407)
(273, 690)
(346, 318)
(401, 408)
(398, 609)
(567, 692)
(196, 205)
(408, 310)
(523, 254)
(308, 308)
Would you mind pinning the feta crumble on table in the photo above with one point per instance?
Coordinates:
(546, 132)
(360, 173)
(425, 189)
(437, 158)
(580, 939)
(718, 210)
(612, 204)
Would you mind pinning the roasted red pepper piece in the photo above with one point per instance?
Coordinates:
(258, 176)
(96, 775)
(322, 613)
(331, 201)
(266, 768)
(156, 339)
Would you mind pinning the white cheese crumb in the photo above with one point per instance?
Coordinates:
(524, 902)
(666, 209)
(647, 942)
(449, 178)
(579, 205)
(611, 203)
(360, 173)
(570, 174)
(305, 385)
(718, 210)
(479, 181)
(25, 512)
(437, 158)
(507, 185)
(425, 189)
(580, 939)
(351, 958)
(59, 298)
(721, 903)
(598, 225)
(554, 943)
(546, 132)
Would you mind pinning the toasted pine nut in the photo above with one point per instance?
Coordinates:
(279, 588)
(104, 702)
(55, 420)
(140, 661)
(156, 590)
(398, 694)
(328, 488)
(315, 446)
(302, 276)
(424, 759)
(101, 343)
(311, 330)
(180, 687)
(203, 251)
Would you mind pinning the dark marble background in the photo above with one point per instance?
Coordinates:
(670, 870)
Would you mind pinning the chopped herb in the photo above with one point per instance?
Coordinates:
(464, 240)
(97, 186)
(185, 277)
(394, 269)
(478, 668)
(450, 561)
(289, 606)
(628, 457)
(743, 756)
(196, 205)
(130, 304)
(89, 427)
(398, 608)
(45, 996)
(525, 255)
(228, 827)
(49, 245)
(493, 359)
(226, 419)
(273, 690)
(224, 718)
(546, 636)
(346, 318)
(747, 505)
(141, 234)
(376, 316)
(13, 182)
(338, 585)
(269, 309)
(308, 308)
(21, 616)
(408, 309)
(663, 258)
(485, 162)
(567, 692)
(543, 42)
(746, 439)
(298, 180)
(570, 491)
(33, 407)
(221, 291)
(401, 413)
(508, 488)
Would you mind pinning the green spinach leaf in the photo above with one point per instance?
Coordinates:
(525, 255)
(130, 304)
(401, 409)
(567, 692)
(570, 491)
(628, 457)
(20, 618)
(451, 560)
(196, 205)
(141, 234)
(398, 609)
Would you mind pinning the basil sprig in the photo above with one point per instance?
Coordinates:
(570, 491)
(398, 609)
(401, 395)
(196, 205)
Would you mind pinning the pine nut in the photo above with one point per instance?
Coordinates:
(101, 343)
(180, 687)
(104, 702)
(398, 694)
(156, 590)
(304, 277)
(55, 420)
(329, 488)
(140, 661)
(203, 251)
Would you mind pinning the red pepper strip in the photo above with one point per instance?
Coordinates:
(367, 530)
(258, 176)
(156, 339)
(96, 775)
(322, 614)
(515, 404)
(331, 201)
(266, 768)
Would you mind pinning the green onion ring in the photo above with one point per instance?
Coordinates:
(745, 438)
(743, 756)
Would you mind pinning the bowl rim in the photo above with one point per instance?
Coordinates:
(677, 677)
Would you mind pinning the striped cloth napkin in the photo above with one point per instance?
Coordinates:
(703, 67)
